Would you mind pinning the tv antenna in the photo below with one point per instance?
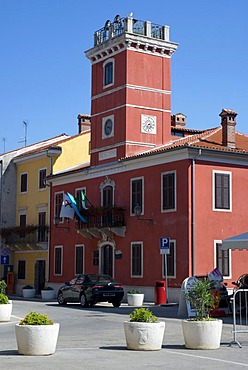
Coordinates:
(4, 143)
(24, 139)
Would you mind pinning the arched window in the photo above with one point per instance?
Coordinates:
(108, 72)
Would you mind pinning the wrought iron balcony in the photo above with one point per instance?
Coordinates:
(31, 235)
(102, 220)
(135, 26)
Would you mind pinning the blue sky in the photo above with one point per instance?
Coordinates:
(45, 76)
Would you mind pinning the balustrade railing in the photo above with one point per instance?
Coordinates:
(102, 217)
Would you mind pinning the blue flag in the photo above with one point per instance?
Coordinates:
(75, 207)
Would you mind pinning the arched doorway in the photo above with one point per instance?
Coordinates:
(107, 260)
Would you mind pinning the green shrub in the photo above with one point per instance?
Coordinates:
(3, 299)
(201, 299)
(133, 292)
(34, 318)
(142, 315)
(3, 287)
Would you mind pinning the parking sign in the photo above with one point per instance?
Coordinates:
(164, 245)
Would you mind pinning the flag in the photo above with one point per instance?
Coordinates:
(83, 197)
(75, 207)
(66, 209)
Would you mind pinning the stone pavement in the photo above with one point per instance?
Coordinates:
(93, 338)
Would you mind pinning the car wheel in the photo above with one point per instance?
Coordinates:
(83, 301)
(61, 299)
(116, 303)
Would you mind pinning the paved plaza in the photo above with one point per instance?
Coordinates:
(93, 338)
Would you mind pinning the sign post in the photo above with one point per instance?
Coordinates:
(165, 249)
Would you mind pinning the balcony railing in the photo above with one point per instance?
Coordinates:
(102, 217)
(30, 234)
(135, 26)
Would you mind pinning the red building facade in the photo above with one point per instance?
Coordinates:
(188, 185)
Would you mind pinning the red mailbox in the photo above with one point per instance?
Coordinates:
(160, 292)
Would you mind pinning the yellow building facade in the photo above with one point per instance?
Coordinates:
(30, 246)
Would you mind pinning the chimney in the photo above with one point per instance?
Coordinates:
(228, 122)
(83, 122)
(178, 120)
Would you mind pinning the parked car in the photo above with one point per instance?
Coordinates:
(88, 289)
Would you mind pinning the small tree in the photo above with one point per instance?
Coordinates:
(200, 297)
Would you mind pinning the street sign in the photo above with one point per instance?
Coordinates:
(164, 245)
(4, 260)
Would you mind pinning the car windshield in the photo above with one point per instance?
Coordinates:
(100, 278)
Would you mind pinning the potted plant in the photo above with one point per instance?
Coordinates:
(144, 332)
(47, 293)
(201, 331)
(5, 303)
(36, 335)
(28, 291)
(135, 298)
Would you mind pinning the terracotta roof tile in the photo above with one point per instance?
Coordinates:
(210, 139)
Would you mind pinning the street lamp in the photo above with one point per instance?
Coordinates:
(137, 213)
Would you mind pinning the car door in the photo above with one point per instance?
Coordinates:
(68, 290)
(78, 288)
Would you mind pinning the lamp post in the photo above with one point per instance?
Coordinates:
(137, 213)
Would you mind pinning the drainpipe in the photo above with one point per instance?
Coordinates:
(193, 212)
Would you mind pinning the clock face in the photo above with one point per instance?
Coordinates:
(148, 124)
(108, 127)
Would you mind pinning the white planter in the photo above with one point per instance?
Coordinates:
(47, 294)
(28, 293)
(144, 336)
(135, 299)
(36, 340)
(5, 311)
(202, 334)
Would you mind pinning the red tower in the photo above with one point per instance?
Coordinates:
(130, 100)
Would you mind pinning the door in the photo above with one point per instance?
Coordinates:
(107, 260)
(40, 273)
(107, 203)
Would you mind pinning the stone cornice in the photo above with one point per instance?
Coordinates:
(140, 43)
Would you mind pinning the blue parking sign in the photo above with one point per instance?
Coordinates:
(164, 245)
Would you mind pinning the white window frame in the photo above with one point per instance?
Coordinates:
(142, 260)
(61, 219)
(23, 192)
(229, 258)
(110, 60)
(62, 256)
(213, 190)
(175, 264)
(143, 194)
(75, 264)
(22, 212)
(175, 191)
(39, 188)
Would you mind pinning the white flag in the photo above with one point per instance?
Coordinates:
(66, 208)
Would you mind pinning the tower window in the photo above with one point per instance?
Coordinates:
(108, 69)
